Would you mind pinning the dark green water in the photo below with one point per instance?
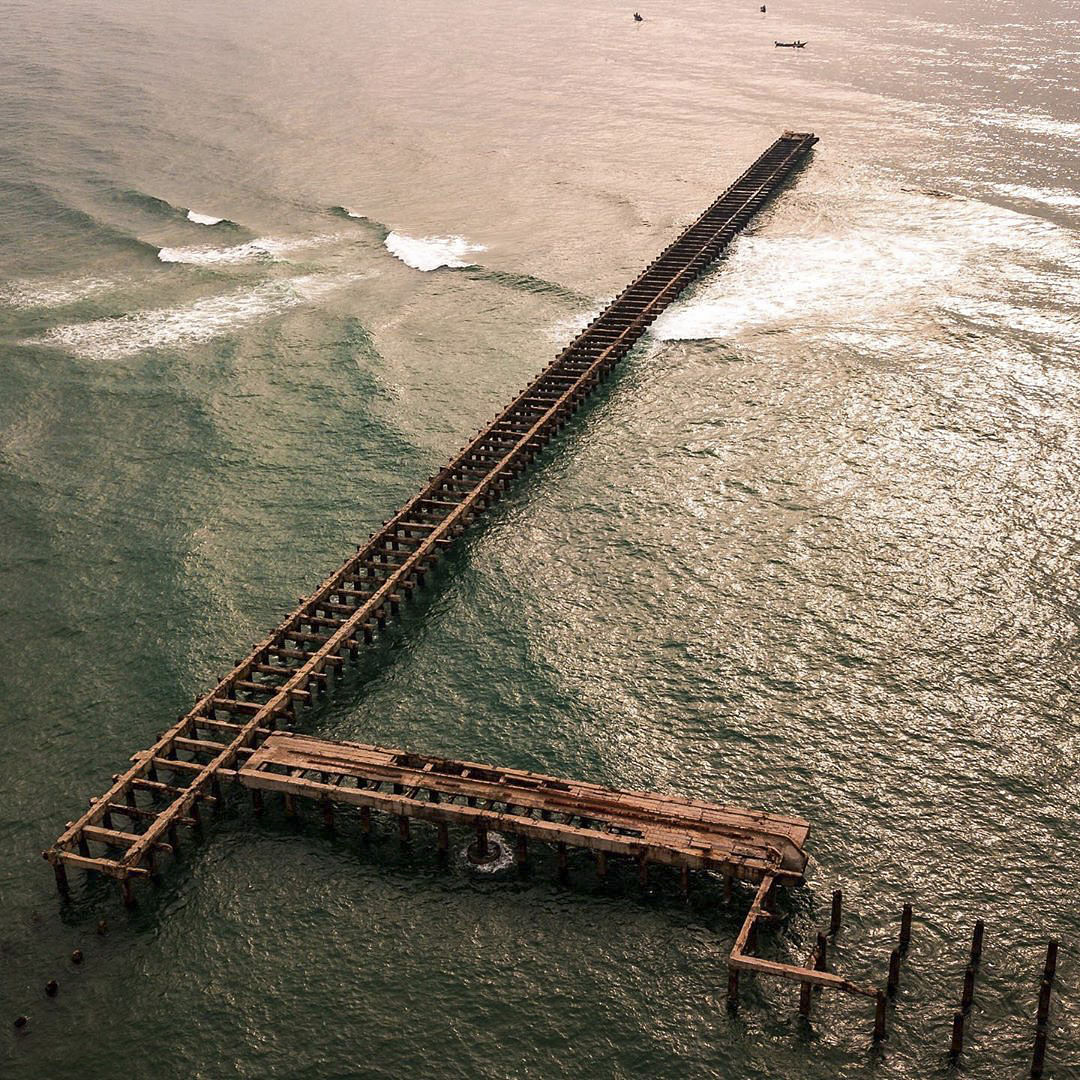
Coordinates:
(814, 551)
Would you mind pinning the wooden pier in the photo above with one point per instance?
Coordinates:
(232, 735)
(167, 786)
(689, 834)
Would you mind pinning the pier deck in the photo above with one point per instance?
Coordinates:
(139, 816)
(745, 845)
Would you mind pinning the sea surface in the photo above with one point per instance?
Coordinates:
(265, 266)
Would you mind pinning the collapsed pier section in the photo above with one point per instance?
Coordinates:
(689, 834)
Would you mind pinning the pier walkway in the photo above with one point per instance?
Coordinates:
(167, 785)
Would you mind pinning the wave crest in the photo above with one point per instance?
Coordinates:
(431, 252)
(265, 249)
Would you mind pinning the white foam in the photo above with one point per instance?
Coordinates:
(825, 279)
(32, 294)
(266, 249)
(190, 324)
(1060, 197)
(203, 219)
(431, 252)
(352, 214)
(567, 329)
(897, 256)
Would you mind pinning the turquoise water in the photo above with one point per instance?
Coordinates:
(813, 551)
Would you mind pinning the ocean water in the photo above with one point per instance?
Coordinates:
(264, 267)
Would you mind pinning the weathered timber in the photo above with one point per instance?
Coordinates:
(364, 592)
(740, 959)
(663, 829)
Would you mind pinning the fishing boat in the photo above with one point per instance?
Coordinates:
(790, 44)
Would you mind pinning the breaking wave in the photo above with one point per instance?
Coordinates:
(191, 324)
(431, 252)
(161, 208)
(381, 230)
(266, 249)
(204, 219)
(935, 253)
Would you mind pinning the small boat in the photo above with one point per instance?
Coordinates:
(790, 44)
(637, 17)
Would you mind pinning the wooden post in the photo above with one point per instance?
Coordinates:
(256, 800)
(1050, 967)
(684, 881)
(821, 958)
(444, 837)
(879, 1017)
(403, 828)
(837, 905)
(126, 892)
(481, 840)
(561, 856)
(522, 853)
(894, 972)
(328, 813)
(727, 886)
(976, 943)
(732, 988)
(643, 871)
(365, 820)
(61, 877)
(905, 929)
(1042, 1015)
(969, 989)
(956, 1044)
(290, 805)
(805, 998)
(601, 865)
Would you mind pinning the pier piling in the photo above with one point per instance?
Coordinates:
(1042, 1015)
(905, 929)
(834, 919)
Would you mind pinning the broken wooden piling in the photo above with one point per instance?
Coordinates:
(1042, 1013)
